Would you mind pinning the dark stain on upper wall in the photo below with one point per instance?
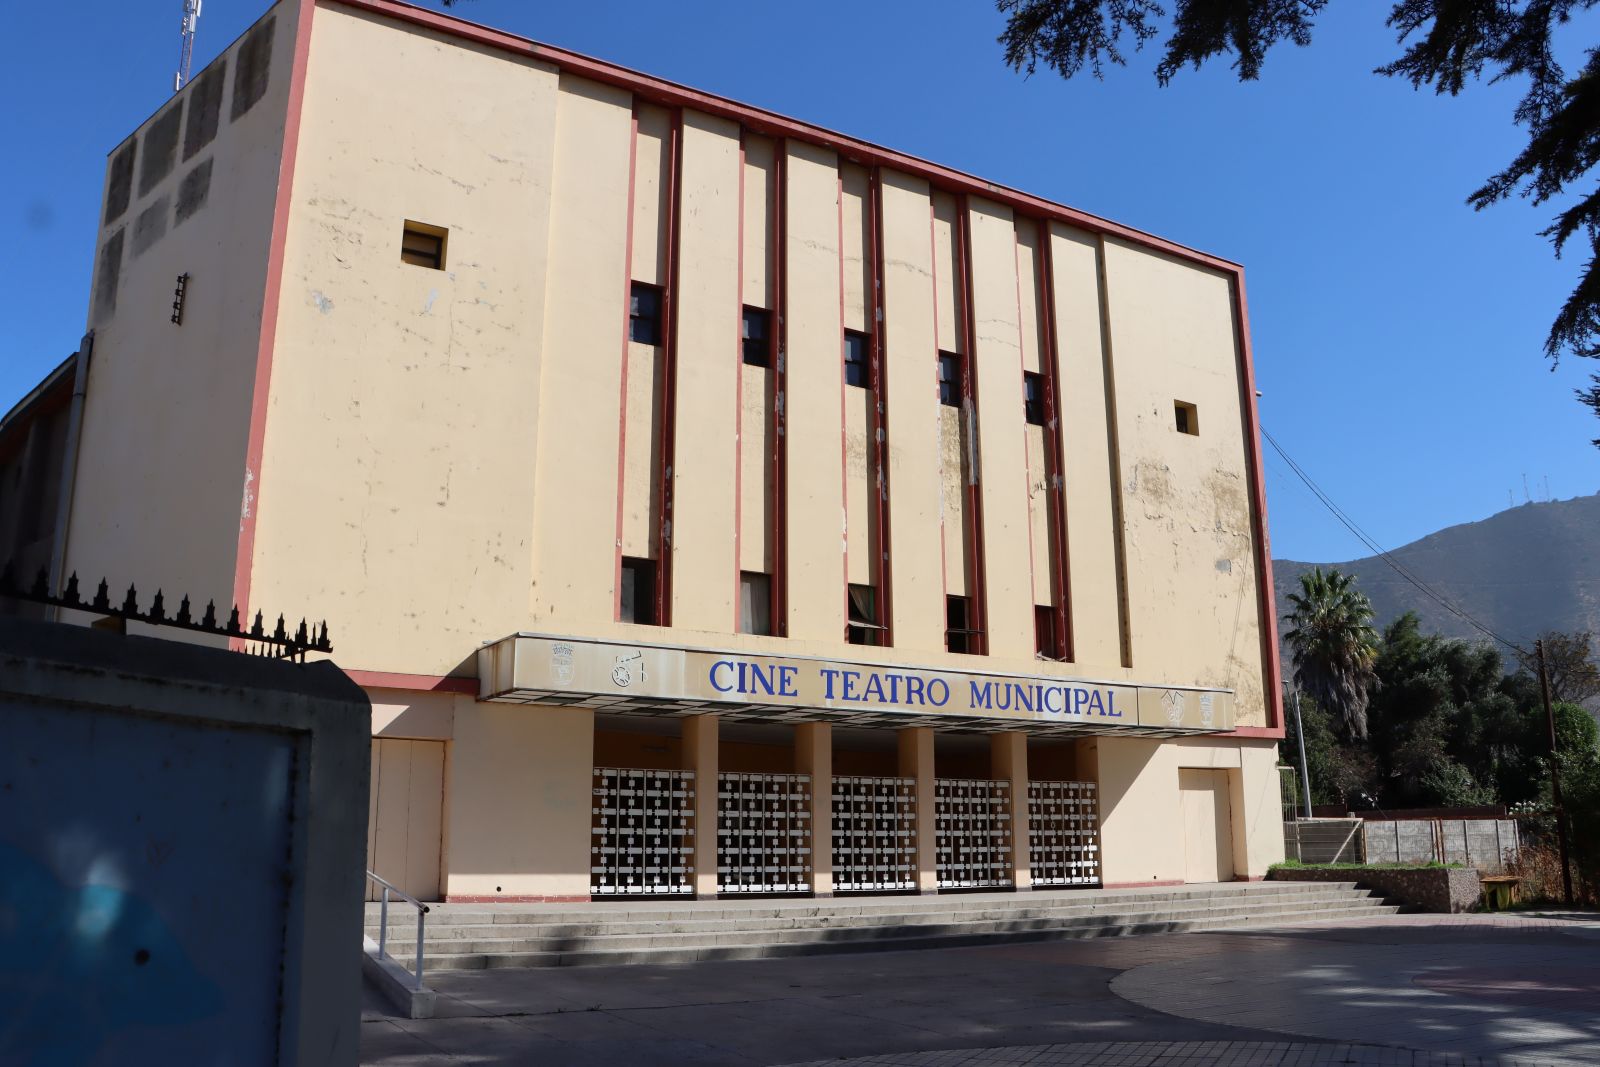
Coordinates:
(105, 289)
(151, 225)
(253, 68)
(205, 108)
(194, 190)
(160, 148)
(119, 185)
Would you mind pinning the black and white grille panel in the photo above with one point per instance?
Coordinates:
(874, 834)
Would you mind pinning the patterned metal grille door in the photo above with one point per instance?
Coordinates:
(874, 834)
(1063, 833)
(643, 833)
(763, 833)
(972, 832)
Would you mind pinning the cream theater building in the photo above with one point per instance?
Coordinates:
(710, 503)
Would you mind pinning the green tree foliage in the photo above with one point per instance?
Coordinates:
(1339, 773)
(1570, 663)
(1447, 44)
(1333, 646)
(1438, 718)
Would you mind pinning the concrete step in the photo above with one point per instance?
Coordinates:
(449, 938)
(598, 956)
(651, 910)
(697, 939)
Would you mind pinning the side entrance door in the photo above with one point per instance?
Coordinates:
(1207, 825)
(405, 819)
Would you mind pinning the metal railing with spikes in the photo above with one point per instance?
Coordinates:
(279, 643)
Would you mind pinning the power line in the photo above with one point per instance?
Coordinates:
(1383, 553)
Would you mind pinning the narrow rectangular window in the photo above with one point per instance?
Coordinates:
(1188, 418)
(755, 603)
(1044, 633)
(422, 245)
(757, 337)
(855, 359)
(864, 627)
(1033, 398)
(644, 314)
(959, 636)
(949, 379)
(638, 591)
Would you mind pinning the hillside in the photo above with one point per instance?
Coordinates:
(1526, 570)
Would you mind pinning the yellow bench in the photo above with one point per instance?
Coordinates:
(1499, 891)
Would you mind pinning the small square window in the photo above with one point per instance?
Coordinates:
(949, 379)
(1188, 418)
(757, 337)
(855, 359)
(1046, 642)
(1033, 398)
(755, 603)
(864, 628)
(644, 314)
(422, 245)
(638, 602)
(959, 636)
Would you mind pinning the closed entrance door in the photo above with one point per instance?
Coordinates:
(404, 820)
(1207, 825)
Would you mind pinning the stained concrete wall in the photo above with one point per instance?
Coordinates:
(455, 455)
(162, 484)
(1141, 823)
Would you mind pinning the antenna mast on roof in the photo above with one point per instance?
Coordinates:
(191, 21)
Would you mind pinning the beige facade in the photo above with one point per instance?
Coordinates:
(439, 458)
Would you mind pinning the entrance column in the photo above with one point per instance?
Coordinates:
(813, 755)
(916, 762)
(1008, 761)
(700, 756)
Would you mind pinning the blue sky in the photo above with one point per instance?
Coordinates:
(1397, 333)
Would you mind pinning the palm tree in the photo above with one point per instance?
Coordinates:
(1334, 646)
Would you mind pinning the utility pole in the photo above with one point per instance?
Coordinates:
(1300, 736)
(1555, 775)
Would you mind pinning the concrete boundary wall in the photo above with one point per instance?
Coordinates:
(183, 761)
(1484, 844)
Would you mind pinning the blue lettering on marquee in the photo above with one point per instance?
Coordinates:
(890, 687)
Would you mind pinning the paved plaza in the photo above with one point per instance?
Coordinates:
(1427, 990)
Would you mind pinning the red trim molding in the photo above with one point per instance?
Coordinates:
(1055, 449)
(738, 407)
(977, 587)
(1273, 732)
(421, 683)
(778, 325)
(667, 440)
(1271, 667)
(502, 898)
(250, 504)
(878, 422)
(627, 337)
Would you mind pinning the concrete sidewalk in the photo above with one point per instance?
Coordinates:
(1462, 989)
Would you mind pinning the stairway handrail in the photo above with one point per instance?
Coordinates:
(383, 921)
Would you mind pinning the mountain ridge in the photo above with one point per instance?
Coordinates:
(1520, 572)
